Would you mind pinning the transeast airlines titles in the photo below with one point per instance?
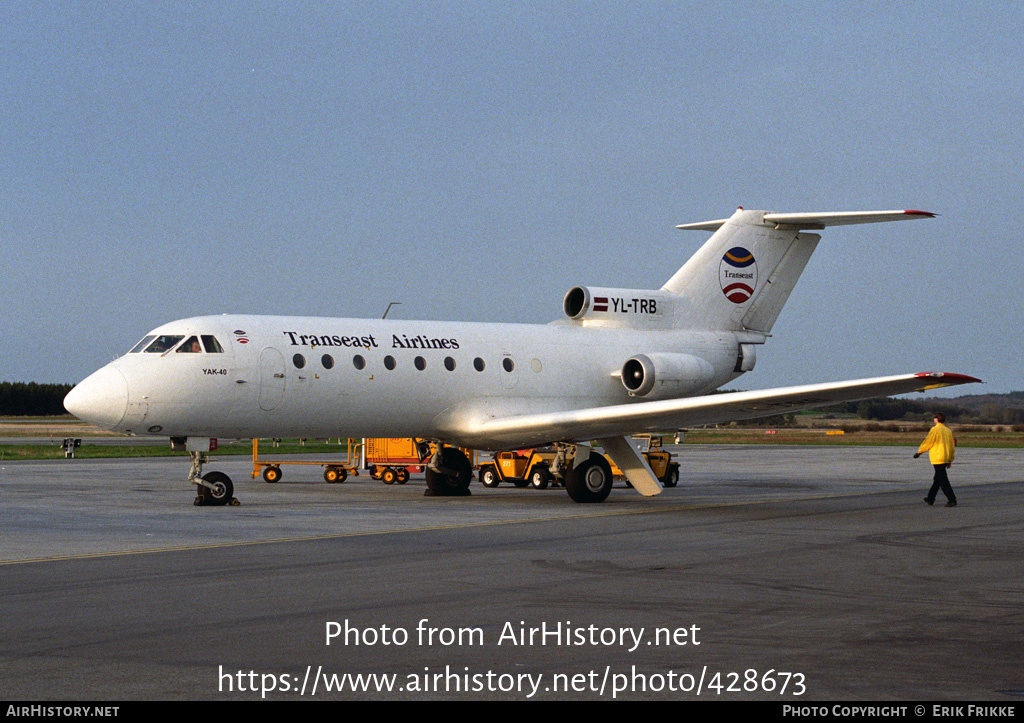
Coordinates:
(369, 341)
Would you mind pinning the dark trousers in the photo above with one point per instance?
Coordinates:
(941, 482)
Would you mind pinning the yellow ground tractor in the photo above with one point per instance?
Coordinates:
(660, 460)
(532, 467)
(524, 467)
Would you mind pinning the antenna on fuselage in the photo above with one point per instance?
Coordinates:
(393, 303)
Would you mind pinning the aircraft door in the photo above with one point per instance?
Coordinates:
(272, 378)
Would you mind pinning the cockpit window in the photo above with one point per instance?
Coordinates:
(142, 344)
(164, 343)
(189, 347)
(212, 345)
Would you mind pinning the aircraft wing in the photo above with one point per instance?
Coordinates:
(671, 414)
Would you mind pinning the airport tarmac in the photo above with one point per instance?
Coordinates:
(772, 573)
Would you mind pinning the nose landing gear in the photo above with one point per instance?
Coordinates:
(213, 488)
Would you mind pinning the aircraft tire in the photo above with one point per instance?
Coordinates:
(271, 474)
(540, 477)
(222, 493)
(450, 485)
(590, 481)
(489, 476)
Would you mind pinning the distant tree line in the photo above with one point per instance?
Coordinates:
(779, 420)
(907, 410)
(31, 399)
(992, 409)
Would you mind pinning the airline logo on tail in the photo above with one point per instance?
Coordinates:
(738, 274)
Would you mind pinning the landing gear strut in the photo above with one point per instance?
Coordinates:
(213, 488)
(448, 473)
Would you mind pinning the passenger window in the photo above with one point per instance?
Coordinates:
(449, 363)
(142, 344)
(358, 362)
(328, 361)
(478, 364)
(507, 364)
(164, 343)
(389, 362)
(420, 363)
(299, 361)
(189, 347)
(211, 345)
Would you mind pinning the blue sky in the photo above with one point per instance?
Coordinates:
(164, 159)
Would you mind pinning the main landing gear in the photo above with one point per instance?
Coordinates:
(213, 488)
(448, 473)
(586, 480)
(589, 480)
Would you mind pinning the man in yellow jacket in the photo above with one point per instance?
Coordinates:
(940, 444)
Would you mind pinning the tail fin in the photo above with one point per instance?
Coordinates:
(742, 277)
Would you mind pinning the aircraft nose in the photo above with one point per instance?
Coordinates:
(101, 398)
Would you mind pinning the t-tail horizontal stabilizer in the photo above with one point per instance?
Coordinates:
(740, 279)
(817, 220)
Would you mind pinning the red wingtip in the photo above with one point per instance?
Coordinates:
(927, 214)
(947, 377)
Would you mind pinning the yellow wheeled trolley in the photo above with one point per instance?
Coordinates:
(391, 459)
(334, 471)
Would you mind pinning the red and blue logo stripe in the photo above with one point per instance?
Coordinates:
(738, 274)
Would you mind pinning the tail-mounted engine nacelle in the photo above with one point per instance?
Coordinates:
(591, 303)
(665, 376)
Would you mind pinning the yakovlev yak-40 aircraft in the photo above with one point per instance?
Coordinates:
(621, 362)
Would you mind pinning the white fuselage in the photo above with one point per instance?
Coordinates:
(322, 377)
(622, 361)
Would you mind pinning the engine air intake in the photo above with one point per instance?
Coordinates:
(664, 376)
